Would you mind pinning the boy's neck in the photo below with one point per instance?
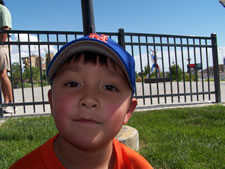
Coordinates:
(72, 157)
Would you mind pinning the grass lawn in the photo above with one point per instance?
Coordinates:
(184, 138)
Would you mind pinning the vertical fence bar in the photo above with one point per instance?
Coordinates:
(121, 38)
(66, 38)
(182, 56)
(163, 70)
(57, 40)
(132, 53)
(190, 76)
(48, 53)
(40, 62)
(196, 71)
(21, 73)
(170, 68)
(156, 68)
(149, 73)
(207, 63)
(203, 88)
(216, 68)
(142, 83)
(176, 63)
(31, 74)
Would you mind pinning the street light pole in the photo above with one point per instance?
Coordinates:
(88, 16)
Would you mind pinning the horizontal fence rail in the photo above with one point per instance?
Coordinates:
(169, 69)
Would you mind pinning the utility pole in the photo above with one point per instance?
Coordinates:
(88, 16)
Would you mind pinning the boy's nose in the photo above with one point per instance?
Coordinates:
(88, 103)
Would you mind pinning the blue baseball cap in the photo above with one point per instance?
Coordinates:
(98, 43)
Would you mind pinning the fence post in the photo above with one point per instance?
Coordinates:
(216, 68)
(88, 16)
(121, 38)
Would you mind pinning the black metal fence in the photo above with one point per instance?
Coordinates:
(169, 68)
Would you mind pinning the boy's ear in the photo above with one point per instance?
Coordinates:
(130, 111)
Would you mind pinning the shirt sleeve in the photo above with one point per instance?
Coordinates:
(5, 18)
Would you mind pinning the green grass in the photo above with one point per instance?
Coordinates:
(192, 138)
(185, 138)
(20, 136)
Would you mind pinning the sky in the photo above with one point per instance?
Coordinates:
(191, 17)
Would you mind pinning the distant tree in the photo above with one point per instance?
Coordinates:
(153, 75)
(15, 71)
(176, 72)
(146, 71)
(35, 74)
(192, 76)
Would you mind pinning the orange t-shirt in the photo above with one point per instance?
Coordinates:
(44, 157)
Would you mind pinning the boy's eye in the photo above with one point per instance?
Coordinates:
(110, 88)
(72, 84)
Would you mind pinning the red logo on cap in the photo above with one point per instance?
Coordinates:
(101, 37)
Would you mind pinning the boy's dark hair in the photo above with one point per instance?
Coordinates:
(89, 57)
(2, 2)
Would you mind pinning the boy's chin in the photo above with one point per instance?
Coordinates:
(89, 143)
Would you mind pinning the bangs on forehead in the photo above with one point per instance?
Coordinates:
(95, 58)
(90, 57)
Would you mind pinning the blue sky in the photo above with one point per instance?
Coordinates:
(191, 17)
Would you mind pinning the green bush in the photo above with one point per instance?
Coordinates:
(193, 77)
(176, 73)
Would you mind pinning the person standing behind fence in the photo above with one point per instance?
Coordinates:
(6, 86)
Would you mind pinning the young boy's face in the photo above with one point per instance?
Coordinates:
(90, 103)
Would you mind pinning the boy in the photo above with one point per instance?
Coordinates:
(92, 83)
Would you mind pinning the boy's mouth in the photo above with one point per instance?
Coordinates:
(87, 121)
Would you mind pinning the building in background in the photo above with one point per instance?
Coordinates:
(210, 72)
(37, 61)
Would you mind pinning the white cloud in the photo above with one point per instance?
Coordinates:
(26, 50)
